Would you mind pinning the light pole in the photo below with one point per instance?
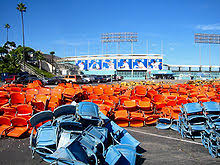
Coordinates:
(207, 39)
(118, 38)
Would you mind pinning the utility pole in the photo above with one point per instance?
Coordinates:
(88, 47)
(200, 56)
(147, 46)
(132, 71)
(75, 52)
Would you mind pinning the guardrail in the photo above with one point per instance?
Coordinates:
(28, 68)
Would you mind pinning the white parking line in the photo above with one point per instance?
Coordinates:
(167, 137)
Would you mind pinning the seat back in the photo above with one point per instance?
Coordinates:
(158, 98)
(77, 151)
(5, 121)
(32, 91)
(88, 109)
(16, 89)
(120, 154)
(99, 132)
(24, 109)
(109, 91)
(17, 98)
(64, 110)
(69, 92)
(3, 101)
(97, 91)
(121, 135)
(3, 94)
(41, 117)
(44, 91)
(140, 90)
(18, 121)
(42, 98)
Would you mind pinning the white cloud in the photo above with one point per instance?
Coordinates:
(153, 45)
(70, 43)
(209, 27)
(171, 49)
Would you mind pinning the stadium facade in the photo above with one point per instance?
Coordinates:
(136, 66)
(126, 65)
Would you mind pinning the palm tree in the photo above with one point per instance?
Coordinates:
(7, 26)
(52, 57)
(39, 55)
(21, 7)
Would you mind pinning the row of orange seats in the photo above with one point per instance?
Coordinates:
(149, 100)
(18, 103)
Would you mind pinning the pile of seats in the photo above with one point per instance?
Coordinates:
(40, 111)
(211, 135)
(128, 104)
(135, 105)
(202, 121)
(80, 134)
(191, 120)
(18, 103)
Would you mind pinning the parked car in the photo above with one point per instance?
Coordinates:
(4, 76)
(107, 78)
(89, 78)
(23, 74)
(23, 77)
(117, 77)
(71, 78)
(81, 80)
(27, 79)
(11, 78)
(56, 80)
(99, 78)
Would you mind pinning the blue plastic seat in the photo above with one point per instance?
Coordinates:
(64, 112)
(99, 132)
(88, 113)
(174, 125)
(214, 143)
(44, 141)
(163, 123)
(120, 135)
(191, 108)
(121, 154)
(211, 106)
(69, 130)
(72, 152)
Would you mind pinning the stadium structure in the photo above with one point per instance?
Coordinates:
(136, 66)
(141, 66)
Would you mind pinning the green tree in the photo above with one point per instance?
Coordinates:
(3, 51)
(39, 56)
(22, 8)
(52, 59)
(9, 61)
(9, 46)
(7, 26)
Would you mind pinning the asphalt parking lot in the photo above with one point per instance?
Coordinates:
(157, 147)
(167, 147)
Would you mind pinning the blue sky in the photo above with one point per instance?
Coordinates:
(68, 25)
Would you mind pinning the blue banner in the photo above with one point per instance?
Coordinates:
(125, 64)
(82, 64)
(95, 65)
(140, 64)
(109, 64)
(155, 64)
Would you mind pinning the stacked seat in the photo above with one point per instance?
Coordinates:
(211, 135)
(192, 120)
(72, 135)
